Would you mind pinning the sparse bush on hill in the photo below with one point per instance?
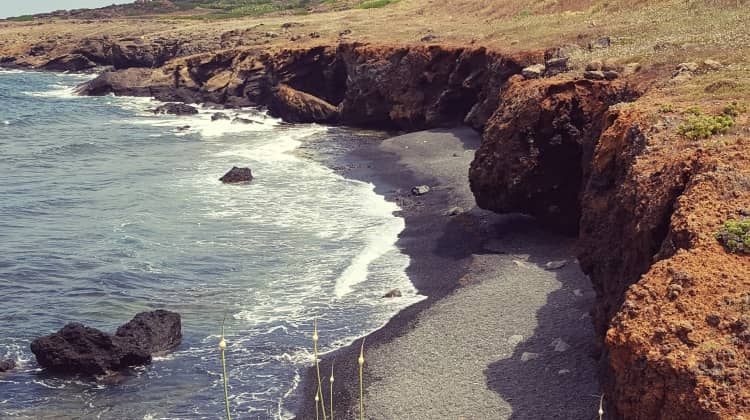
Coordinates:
(735, 235)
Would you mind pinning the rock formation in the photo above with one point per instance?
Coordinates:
(237, 175)
(77, 349)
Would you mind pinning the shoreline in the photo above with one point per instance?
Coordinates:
(450, 256)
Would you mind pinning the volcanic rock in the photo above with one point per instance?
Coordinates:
(7, 365)
(237, 175)
(69, 62)
(533, 72)
(175, 109)
(393, 294)
(157, 331)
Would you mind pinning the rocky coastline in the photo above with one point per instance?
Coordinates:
(585, 157)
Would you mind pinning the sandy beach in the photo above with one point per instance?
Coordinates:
(500, 335)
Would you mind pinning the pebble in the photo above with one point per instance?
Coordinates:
(563, 371)
(420, 190)
(515, 340)
(559, 345)
(578, 292)
(556, 265)
(526, 356)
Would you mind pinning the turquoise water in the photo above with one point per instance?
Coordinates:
(107, 210)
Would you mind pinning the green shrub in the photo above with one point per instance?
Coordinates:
(666, 108)
(735, 235)
(703, 127)
(694, 110)
(374, 4)
(24, 18)
(734, 109)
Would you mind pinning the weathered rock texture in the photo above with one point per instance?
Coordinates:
(237, 175)
(406, 88)
(77, 349)
(646, 203)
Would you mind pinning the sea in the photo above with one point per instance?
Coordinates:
(107, 210)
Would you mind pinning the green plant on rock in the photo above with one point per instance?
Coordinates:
(704, 126)
(735, 235)
(666, 108)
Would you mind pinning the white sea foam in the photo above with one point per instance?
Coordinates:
(56, 90)
(6, 122)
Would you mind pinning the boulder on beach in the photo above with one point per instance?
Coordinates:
(236, 175)
(420, 190)
(175, 109)
(77, 349)
(7, 365)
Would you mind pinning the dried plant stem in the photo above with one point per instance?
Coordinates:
(223, 347)
(361, 362)
(601, 407)
(319, 394)
(331, 404)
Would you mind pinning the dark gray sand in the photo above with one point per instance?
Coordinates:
(501, 335)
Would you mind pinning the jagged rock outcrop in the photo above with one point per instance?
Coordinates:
(647, 203)
(537, 147)
(407, 88)
(69, 62)
(77, 349)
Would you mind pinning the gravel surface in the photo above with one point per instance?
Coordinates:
(504, 334)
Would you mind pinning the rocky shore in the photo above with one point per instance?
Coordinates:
(596, 158)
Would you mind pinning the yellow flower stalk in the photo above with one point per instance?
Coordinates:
(331, 380)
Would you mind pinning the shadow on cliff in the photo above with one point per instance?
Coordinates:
(550, 383)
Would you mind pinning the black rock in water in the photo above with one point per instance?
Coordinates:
(7, 365)
(175, 109)
(156, 331)
(77, 349)
(236, 175)
(219, 116)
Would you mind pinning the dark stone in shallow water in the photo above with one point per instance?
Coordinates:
(236, 175)
(156, 331)
(175, 109)
(77, 349)
(6, 365)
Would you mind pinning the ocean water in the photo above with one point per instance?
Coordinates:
(107, 210)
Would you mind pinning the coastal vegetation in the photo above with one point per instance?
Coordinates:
(735, 235)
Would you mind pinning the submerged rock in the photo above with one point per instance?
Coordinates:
(393, 294)
(236, 175)
(7, 365)
(219, 116)
(175, 109)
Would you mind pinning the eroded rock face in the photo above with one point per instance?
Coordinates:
(407, 88)
(77, 349)
(69, 62)
(537, 147)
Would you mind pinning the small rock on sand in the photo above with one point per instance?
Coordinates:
(455, 211)
(556, 265)
(559, 345)
(420, 190)
(563, 371)
(578, 292)
(526, 356)
(515, 340)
